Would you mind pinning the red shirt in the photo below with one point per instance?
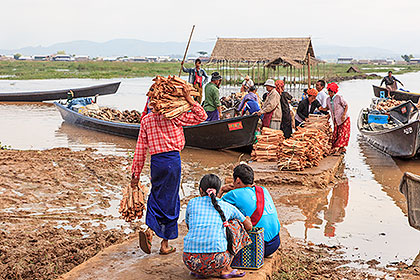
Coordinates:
(160, 135)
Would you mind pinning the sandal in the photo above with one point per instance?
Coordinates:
(233, 274)
(145, 240)
(170, 251)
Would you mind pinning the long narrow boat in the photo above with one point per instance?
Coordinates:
(396, 94)
(410, 187)
(39, 96)
(224, 134)
(401, 140)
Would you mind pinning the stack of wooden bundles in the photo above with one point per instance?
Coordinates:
(132, 204)
(267, 146)
(114, 115)
(166, 96)
(388, 104)
(307, 146)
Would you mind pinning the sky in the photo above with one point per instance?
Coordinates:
(387, 24)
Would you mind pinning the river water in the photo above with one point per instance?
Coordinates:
(364, 213)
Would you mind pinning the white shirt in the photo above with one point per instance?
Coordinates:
(322, 97)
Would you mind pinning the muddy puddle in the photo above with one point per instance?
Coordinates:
(364, 214)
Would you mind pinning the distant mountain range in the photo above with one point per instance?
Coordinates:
(117, 47)
(134, 47)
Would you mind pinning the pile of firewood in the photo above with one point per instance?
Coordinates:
(132, 204)
(388, 104)
(267, 146)
(113, 115)
(166, 96)
(307, 146)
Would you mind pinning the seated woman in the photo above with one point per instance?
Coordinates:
(251, 95)
(217, 231)
(255, 202)
(307, 106)
(251, 107)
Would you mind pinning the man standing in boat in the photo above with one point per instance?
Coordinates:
(390, 83)
(212, 103)
(164, 139)
(196, 76)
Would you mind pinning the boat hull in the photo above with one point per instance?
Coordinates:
(224, 134)
(39, 96)
(396, 94)
(402, 141)
(232, 133)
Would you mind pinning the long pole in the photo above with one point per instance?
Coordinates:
(186, 50)
(309, 70)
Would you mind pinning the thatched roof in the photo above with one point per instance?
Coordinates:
(272, 51)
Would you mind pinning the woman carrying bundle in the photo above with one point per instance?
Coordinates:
(217, 231)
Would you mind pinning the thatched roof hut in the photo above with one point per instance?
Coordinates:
(353, 69)
(270, 51)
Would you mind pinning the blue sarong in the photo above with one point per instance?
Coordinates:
(163, 204)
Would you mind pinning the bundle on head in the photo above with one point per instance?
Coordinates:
(307, 146)
(267, 146)
(166, 96)
(132, 204)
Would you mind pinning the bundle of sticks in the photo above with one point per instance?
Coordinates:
(307, 146)
(166, 96)
(267, 146)
(114, 115)
(132, 204)
(388, 104)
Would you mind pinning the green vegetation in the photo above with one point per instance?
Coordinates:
(4, 147)
(26, 70)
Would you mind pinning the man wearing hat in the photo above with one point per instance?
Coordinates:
(271, 107)
(212, 103)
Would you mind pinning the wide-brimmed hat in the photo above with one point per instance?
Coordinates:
(270, 82)
(215, 76)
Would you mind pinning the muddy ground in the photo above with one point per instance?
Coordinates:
(58, 208)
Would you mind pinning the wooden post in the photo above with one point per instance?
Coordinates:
(309, 71)
(186, 50)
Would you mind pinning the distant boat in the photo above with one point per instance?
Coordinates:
(230, 133)
(396, 94)
(399, 140)
(39, 96)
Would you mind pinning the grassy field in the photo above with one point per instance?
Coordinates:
(26, 70)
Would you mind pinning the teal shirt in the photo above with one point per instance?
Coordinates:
(245, 200)
(212, 101)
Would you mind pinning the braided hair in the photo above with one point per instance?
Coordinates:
(207, 183)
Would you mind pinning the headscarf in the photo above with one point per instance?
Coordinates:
(312, 92)
(279, 86)
(333, 87)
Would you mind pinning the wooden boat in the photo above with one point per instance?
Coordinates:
(410, 187)
(401, 140)
(39, 96)
(396, 94)
(224, 134)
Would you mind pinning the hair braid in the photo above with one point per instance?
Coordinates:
(229, 235)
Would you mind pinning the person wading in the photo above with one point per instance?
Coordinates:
(271, 107)
(196, 76)
(165, 139)
(212, 103)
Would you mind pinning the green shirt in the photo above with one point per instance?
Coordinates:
(212, 101)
